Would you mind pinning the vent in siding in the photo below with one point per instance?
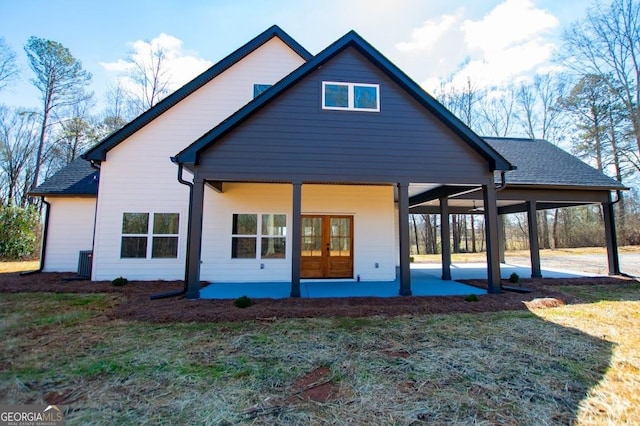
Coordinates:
(84, 263)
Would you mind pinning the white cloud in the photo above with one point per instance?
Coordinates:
(508, 24)
(431, 32)
(505, 45)
(504, 66)
(181, 65)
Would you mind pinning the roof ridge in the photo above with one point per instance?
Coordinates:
(191, 153)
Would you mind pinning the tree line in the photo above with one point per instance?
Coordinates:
(590, 107)
(35, 143)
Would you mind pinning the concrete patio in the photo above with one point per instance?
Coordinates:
(425, 281)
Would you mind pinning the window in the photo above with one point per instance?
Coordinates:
(163, 234)
(274, 231)
(253, 234)
(350, 96)
(259, 88)
(135, 227)
(243, 243)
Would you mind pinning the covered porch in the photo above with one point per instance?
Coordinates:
(425, 281)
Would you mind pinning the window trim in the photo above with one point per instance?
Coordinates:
(150, 235)
(350, 96)
(259, 236)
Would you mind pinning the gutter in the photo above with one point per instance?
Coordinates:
(186, 262)
(43, 248)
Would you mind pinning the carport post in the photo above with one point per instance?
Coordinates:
(534, 247)
(403, 227)
(501, 239)
(610, 236)
(445, 238)
(491, 224)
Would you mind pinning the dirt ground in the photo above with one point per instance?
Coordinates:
(134, 301)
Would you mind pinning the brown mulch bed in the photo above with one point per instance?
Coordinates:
(135, 303)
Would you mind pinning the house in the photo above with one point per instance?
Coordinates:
(278, 165)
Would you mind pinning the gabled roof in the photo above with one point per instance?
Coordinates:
(351, 39)
(77, 178)
(543, 164)
(99, 152)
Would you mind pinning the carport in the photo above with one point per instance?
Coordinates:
(546, 178)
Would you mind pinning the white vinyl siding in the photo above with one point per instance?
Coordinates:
(138, 175)
(70, 231)
(371, 206)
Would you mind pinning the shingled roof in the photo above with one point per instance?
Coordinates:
(541, 163)
(78, 178)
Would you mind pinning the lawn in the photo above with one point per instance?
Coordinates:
(575, 364)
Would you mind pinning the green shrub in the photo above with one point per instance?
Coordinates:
(120, 281)
(514, 278)
(411, 259)
(243, 302)
(19, 228)
(472, 298)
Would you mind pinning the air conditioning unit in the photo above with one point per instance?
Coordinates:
(84, 263)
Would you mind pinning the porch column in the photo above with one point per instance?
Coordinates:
(534, 247)
(296, 225)
(610, 236)
(491, 224)
(403, 227)
(445, 238)
(194, 238)
(501, 239)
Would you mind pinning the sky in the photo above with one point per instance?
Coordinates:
(491, 42)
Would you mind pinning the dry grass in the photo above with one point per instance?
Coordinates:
(7, 267)
(570, 364)
(612, 315)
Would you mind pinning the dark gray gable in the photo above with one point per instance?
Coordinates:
(78, 178)
(541, 163)
(295, 139)
(350, 40)
(99, 152)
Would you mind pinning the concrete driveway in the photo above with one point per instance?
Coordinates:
(585, 263)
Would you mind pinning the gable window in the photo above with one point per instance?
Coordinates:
(259, 88)
(146, 235)
(350, 96)
(262, 235)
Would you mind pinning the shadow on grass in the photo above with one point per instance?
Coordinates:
(505, 368)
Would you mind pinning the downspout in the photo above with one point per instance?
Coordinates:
(96, 166)
(43, 248)
(186, 260)
(503, 181)
(618, 198)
